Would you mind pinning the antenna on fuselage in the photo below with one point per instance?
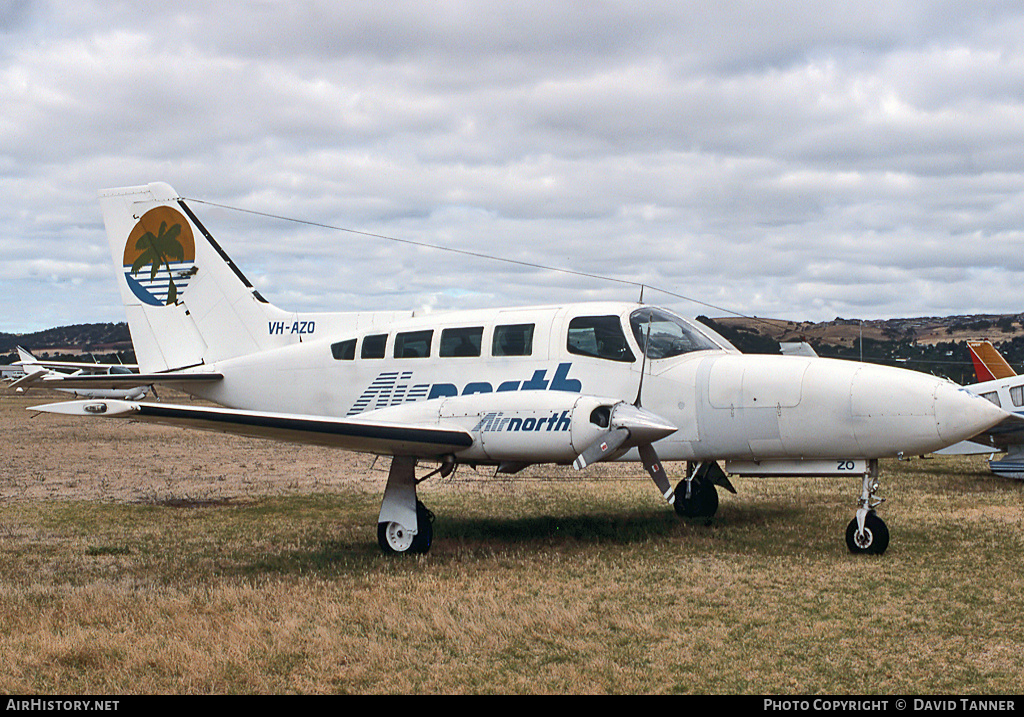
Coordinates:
(643, 360)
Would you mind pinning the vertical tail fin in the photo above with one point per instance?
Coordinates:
(25, 356)
(187, 303)
(988, 363)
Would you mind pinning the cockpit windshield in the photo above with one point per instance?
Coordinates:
(662, 335)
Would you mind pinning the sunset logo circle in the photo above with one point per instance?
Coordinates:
(159, 257)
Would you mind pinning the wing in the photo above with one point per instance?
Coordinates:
(128, 380)
(78, 365)
(424, 441)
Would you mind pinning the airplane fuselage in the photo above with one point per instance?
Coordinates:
(724, 405)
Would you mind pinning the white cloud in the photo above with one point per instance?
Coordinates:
(776, 159)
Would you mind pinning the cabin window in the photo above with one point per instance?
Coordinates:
(599, 336)
(344, 350)
(413, 344)
(461, 342)
(373, 346)
(993, 397)
(668, 335)
(1017, 395)
(512, 340)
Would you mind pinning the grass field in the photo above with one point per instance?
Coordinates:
(532, 586)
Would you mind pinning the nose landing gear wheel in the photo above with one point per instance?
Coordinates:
(873, 540)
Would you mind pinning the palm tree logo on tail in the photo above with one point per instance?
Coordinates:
(162, 240)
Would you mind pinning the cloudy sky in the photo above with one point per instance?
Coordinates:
(801, 160)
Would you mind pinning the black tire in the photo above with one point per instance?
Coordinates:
(874, 540)
(425, 537)
(703, 501)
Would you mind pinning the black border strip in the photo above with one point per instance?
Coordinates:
(223, 254)
(411, 434)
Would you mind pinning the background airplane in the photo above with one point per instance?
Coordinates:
(989, 364)
(999, 384)
(51, 374)
(508, 387)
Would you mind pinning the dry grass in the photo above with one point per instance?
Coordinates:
(127, 569)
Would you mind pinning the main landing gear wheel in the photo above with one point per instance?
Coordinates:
(396, 539)
(873, 540)
(702, 501)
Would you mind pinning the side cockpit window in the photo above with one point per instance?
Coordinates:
(662, 335)
(598, 336)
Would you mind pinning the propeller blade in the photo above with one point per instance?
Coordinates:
(600, 448)
(657, 471)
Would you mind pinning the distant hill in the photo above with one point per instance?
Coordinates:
(98, 339)
(931, 344)
(923, 330)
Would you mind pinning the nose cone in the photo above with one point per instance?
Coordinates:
(916, 411)
(961, 414)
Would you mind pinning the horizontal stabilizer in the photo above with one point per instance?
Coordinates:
(28, 379)
(354, 434)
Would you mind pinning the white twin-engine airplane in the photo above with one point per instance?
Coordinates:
(51, 374)
(565, 384)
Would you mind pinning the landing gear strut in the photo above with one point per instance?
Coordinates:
(867, 534)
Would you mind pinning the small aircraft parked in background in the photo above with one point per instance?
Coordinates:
(989, 364)
(567, 384)
(51, 374)
(999, 384)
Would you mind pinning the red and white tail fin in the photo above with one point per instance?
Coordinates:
(988, 363)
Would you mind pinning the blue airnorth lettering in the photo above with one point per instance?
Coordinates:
(498, 421)
(392, 388)
(538, 382)
(301, 328)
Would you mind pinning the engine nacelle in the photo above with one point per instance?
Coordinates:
(545, 427)
(515, 426)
